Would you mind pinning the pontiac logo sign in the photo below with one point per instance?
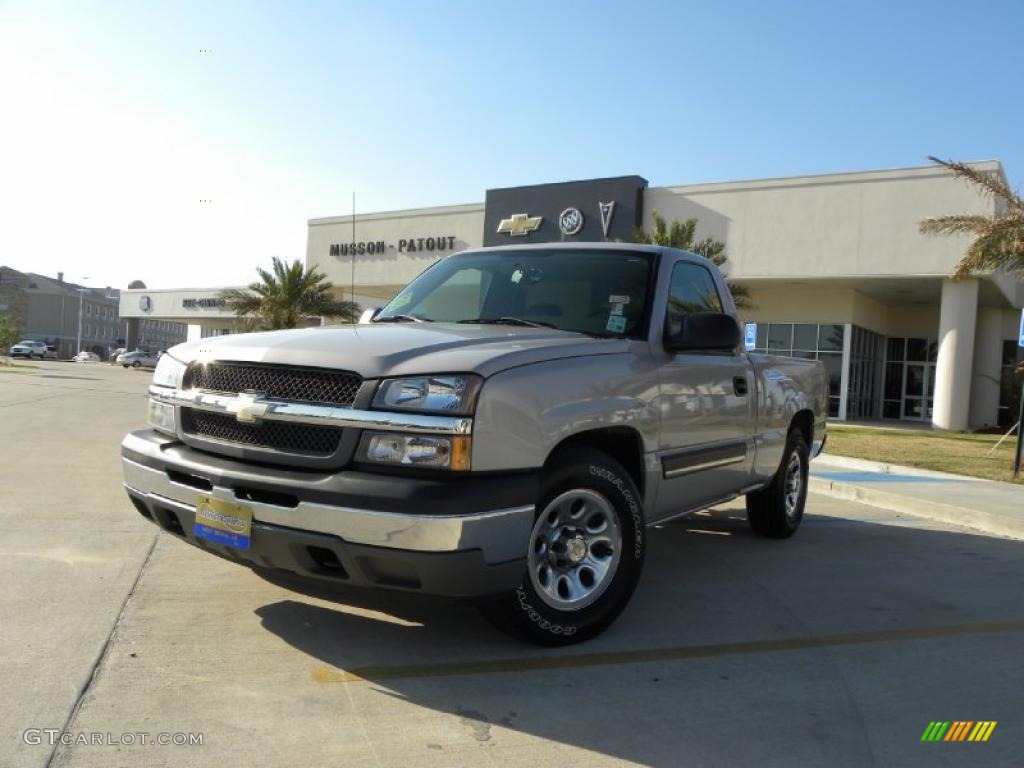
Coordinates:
(248, 407)
(519, 224)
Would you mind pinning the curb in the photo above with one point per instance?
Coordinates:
(978, 520)
(882, 468)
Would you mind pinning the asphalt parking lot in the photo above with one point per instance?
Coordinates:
(835, 648)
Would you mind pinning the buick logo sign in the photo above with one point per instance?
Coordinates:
(570, 221)
(145, 303)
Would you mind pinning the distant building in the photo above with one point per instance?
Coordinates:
(50, 310)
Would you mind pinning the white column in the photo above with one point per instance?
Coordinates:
(953, 371)
(844, 376)
(194, 332)
(988, 349)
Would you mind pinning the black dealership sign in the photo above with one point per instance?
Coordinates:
(596, 210)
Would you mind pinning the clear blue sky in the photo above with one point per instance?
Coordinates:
(115, 124)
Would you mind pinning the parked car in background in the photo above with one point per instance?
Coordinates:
(29, 349)
(138, 359)
(86, 357)
(116, 354)
(51, 352)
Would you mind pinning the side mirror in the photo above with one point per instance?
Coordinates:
(702, 331)
(368, 315)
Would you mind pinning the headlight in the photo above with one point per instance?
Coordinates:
(428, 451)
(168, 372)
(434, 394)
(161, 417)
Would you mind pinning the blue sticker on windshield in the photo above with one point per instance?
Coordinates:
(616, 324)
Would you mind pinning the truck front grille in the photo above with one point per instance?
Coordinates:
(273, 435)
(307, 385)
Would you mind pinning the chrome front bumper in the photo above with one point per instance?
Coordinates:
(500, 534)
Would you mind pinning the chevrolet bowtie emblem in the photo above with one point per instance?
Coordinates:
(248, 407)
(520, 224)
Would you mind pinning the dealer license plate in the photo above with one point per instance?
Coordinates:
(224, 522)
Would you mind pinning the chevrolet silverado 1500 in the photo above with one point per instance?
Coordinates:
(506, 429)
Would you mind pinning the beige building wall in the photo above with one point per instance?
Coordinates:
(461, 226)
(845, 224)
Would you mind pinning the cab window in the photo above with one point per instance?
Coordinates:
(692, 290)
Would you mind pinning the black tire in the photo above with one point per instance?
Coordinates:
(771, 511)
(525, 613)
(136, 364)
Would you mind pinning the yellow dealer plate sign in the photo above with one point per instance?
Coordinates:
(224, 522)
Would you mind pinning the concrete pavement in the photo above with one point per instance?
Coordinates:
(984, 505)
(835, 648)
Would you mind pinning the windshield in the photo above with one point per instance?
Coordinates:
(601, 293)
(25, 343)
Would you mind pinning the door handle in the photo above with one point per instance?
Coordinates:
(739, 385)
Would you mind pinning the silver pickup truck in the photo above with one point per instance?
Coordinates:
(505, 429)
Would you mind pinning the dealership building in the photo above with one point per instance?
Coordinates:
(835, 267)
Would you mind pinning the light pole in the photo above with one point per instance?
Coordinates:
(81, 300)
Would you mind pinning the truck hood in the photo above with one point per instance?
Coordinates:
(402, 349)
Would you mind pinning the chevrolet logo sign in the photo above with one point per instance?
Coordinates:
(519, 224)
(248, 407)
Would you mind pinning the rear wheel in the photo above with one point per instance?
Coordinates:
(777, 509)
(136, 364)
(584, 556)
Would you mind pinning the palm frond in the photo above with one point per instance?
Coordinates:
(999, 247)
(990, 184)
(959, 224)
(998, 239)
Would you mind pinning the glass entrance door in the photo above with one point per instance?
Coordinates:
(918, 391)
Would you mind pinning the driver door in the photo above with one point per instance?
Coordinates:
(706, 402)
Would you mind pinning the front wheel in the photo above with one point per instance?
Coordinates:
(584, 556)
(777, 509)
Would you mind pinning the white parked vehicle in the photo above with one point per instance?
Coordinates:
(29, 349)
(86, 357)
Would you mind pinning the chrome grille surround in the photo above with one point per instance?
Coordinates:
(302, 385)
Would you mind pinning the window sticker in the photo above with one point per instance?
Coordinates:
(616, 299)
(616, 324)
(617, 309)
(517, 275)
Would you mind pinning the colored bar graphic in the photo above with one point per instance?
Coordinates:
(935, 730)
(958, 730)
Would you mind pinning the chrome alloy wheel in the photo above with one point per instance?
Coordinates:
(794, 481)
(574, 549)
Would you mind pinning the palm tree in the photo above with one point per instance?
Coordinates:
(998, 239)
(285, 296)
(680, 234)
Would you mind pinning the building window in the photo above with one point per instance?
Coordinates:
(866, 350)
(1009, 384)
(811, 341)
(908, 389)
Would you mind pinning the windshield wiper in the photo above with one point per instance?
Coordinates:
(509, 321)
(402, 319)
